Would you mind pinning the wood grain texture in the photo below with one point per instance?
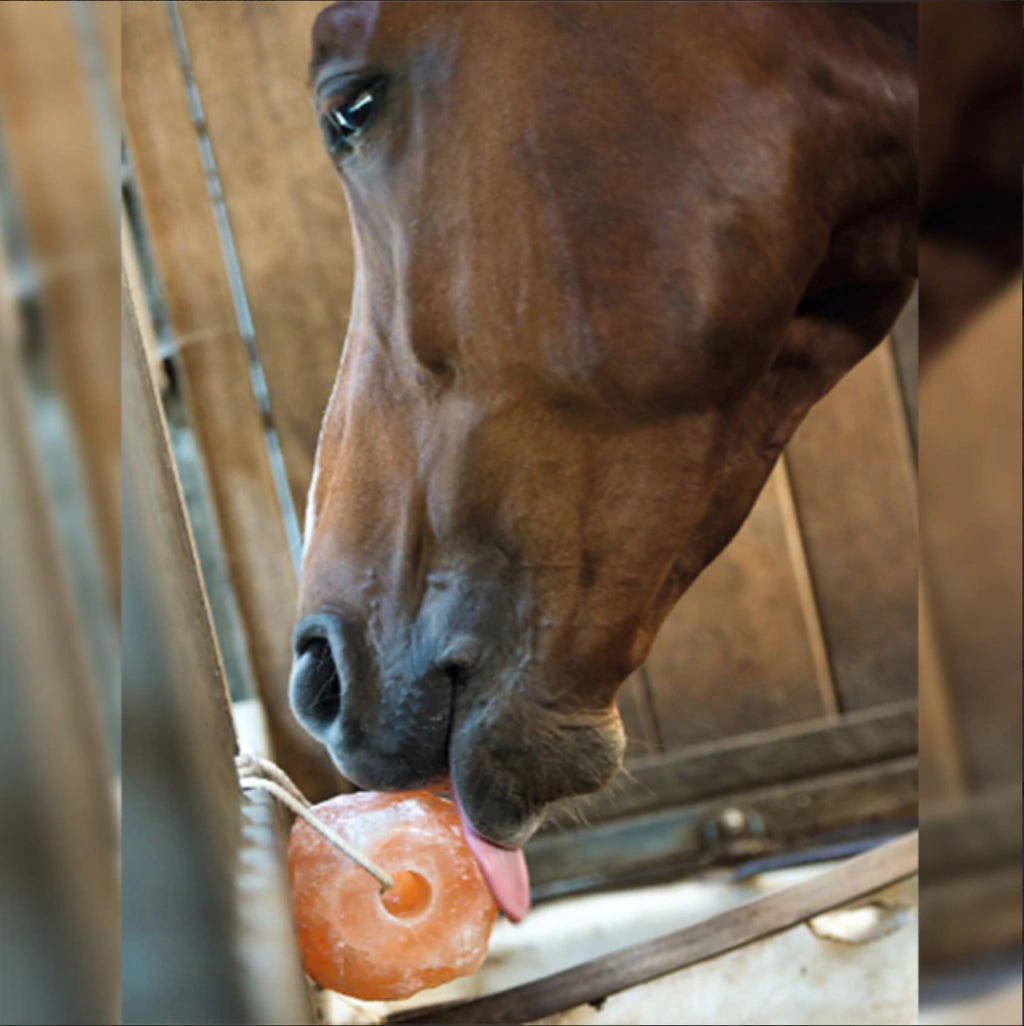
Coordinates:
(67, 202)
(851, 469)
(106, 21)
(285, 204)
(223, 410)
(970, 468)
(966, 834)
(668, 843)
(181, 795)
(734, 655)
(964, 919)
(970, 876)
(59, 881)
(762, 917)
(724, 767)
(942, 767)
(904, 350)
(198, 695)
(805, 587)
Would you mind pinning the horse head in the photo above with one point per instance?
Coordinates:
(607, 257)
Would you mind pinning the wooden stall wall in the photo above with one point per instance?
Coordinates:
(58, 227)
(811, 612)
(207, 925)
(241, 80)
(63, 184)
(59, 473)
(792, 659)
(971, 656)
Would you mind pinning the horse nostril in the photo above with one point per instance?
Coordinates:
(459, 661)
(316, 688)
(455, 672)
(315, 685)
(309, 631)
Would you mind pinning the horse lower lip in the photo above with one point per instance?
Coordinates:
(504, 870)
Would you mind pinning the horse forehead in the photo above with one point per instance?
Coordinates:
(344, 30)
(354, 34)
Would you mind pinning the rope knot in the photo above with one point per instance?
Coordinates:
(257, 773)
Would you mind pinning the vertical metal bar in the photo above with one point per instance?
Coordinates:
(233, 269)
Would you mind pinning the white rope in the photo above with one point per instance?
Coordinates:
(249, 765)
(285, 791)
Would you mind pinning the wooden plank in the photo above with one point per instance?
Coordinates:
(904, 348)
(971, 877)
(610, 974)
(134, 283)
(852, 474)
(168, 577)
(805, 588)
(106, 17)
(942, 768)
(970, 469)
(178, 741)
(721, 768)
(285, 204)
(58, 861)
(182, 802)
(67, 203)
(734, 655)
(964, 919)
(214, 365)
(964, 835)
(676, 840)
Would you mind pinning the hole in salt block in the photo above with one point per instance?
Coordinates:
(409, 897)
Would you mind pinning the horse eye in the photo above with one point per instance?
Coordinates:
(344, 120)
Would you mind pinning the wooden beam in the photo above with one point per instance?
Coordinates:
(975, 831)
(58, 860)
(223, 409)
(736, 646)
(67, 201)
(971, 544)
(277, 183)
(851, 469)
(805, 588)
(964, 919)
(942, 765)
(195, 882)
(755, 760)
(615, 972)
(753, 824)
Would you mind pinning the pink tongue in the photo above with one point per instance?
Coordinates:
(503, 869)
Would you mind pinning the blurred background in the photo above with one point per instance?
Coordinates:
(59, 512)
(969, 424)
(164, 207)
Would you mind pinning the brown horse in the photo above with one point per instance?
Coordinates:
(607, 257)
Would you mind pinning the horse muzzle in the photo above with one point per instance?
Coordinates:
(455, 710)
(384, 728)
